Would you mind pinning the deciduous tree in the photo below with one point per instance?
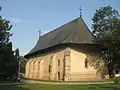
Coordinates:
(106, 28)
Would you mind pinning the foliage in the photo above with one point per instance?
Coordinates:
(116, 80)
(5, 34)
(106, 28)
(8, 61)
(23, 62)
(96, 61)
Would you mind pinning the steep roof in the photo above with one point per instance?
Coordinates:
(74, 31)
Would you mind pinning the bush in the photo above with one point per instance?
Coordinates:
(117, 80)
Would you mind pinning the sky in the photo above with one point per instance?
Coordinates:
(30, 16)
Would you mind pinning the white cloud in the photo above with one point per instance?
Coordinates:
(16, 20)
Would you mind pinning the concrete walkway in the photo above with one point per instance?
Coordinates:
(43, 82)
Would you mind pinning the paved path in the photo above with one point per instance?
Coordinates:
(43, 82)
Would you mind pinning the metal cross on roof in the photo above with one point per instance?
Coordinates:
(39, 32)
(80, 11)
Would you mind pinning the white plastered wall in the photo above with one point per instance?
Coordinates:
(78, 70)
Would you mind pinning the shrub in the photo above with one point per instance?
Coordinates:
(117, 80)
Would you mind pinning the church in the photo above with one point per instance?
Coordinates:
(62, 54)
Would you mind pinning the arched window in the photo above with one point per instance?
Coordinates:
(86, 63)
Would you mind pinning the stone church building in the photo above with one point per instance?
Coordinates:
(62, 54)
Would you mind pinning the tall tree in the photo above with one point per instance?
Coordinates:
(106, 28)
(5, 28)
(8, 61)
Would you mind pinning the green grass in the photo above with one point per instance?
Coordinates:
(6, 81)
(60, 87)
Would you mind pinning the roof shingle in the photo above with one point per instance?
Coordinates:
(75, 31)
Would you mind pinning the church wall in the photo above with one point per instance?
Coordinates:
(31, 67)
(64, 64)
(34, 68)
(45, 66)
(78, 69)
(27, 69)
(41, 69)
(67, 64)
(51, 65)
(37, 69)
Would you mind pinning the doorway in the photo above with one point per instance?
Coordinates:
(58, 75)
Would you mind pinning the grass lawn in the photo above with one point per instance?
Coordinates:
(60, 87)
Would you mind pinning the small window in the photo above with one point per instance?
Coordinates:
(49, 68)
(86, 63)
(58, 62)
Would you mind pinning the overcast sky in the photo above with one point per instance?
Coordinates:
(28, 16)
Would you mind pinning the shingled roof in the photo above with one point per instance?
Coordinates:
(75, 32)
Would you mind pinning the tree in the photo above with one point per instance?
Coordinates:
(106, 28)
(5, 34)
(23, 62)
(97, 62)
(8, 61)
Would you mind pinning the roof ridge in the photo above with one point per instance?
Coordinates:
(88, 28)
(59, 31)
(60, 26)
(75, 31)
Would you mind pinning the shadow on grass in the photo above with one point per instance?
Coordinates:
(110, 87)
(13, 87)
